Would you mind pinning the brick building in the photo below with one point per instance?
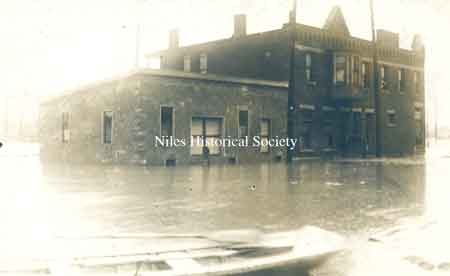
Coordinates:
(334, 96)
(118, 120)
(237, 87)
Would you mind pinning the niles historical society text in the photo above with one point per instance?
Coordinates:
(226, 142)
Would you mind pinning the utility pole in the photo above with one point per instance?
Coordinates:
(436, 116)
(139, 8)
(375, 86)
(291, 89)
(138, 36)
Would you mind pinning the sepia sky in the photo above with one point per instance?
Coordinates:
(47, 46)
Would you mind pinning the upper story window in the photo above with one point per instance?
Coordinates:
(203, 63)
(417, 81)
(365, 74)
(401, 80)
(383, 83)
(187, 64)
(340, 66)
(107, 121)
(355, 71)
(308, 66)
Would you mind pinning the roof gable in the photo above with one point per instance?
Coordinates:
(336, 22)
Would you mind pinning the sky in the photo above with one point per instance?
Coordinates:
(48, 46)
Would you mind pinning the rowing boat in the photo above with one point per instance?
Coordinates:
(220, 253)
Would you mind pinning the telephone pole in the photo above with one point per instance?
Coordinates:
(291, 89)
(375, 86)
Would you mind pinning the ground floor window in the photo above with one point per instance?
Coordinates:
(391, 118)
(330, 141)
(306, 129)
(419, 126)
(107, 127)
(65, 127)
(243, 123)
(264, 134)
(166, 121)
(357, 124)
(204, 132)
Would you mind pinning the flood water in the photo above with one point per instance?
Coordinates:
(351, 197)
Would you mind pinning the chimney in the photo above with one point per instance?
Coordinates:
(418, 45)
(240, 25)
(174, 39)
(387, 39)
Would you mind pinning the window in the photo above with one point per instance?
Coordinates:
(206, 131)
(162, 62)
(187, 64)
(330, 141)
(418, 113)
(328, 119)
(365, 75)
(355, 71)
(65, 127)
(383, 83)
(107, 127)
(340, 66)
(392, 118)
(305, 136)
(401, 80)
(166, 122)
(308, 66)
(417, 81)
(203, 63)
(419, 126)
(264, 134)
(243, 123)
(357, 124)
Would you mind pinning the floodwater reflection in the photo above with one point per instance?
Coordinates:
(341, 196)
(40, 201)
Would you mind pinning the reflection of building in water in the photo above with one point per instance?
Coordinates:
(335, 103)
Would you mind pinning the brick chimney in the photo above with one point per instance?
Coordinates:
(174, 39)
(418, 45)
(240, 25)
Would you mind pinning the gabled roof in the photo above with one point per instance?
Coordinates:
(336, 22)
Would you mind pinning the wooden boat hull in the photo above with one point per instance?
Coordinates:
(286, 253)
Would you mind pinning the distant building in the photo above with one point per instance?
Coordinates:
(237, 87)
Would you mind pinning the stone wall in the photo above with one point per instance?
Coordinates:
(136, 101)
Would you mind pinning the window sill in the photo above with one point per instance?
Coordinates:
(311, 83)
(306, 150)
(392, 125)
(329, 149)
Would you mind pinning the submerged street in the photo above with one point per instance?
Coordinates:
(354, 198)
